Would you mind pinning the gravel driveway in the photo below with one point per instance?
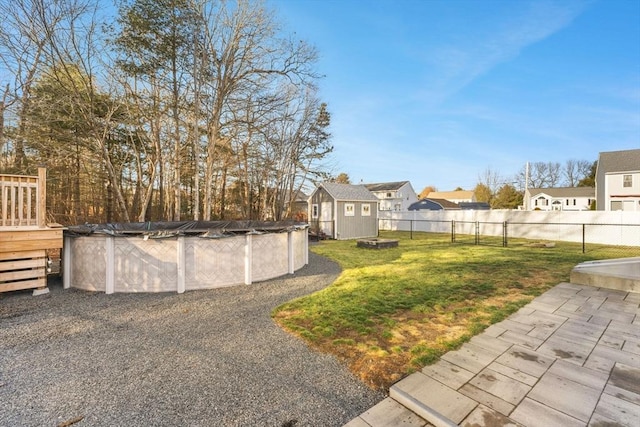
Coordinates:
(203, 358)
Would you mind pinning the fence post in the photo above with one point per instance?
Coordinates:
(453, 231)
(181, 254)
(248, 258)
(504, 234)
(583, 235)
(109, 286)
(477, 232)
(41, 214)
(411, 229)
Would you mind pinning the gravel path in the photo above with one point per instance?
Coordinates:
(203, 358)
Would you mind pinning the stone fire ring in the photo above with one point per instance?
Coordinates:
(377, 243)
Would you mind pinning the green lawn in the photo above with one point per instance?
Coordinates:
(392, 311)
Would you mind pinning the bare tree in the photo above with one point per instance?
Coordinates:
(244, 57)
(24, 35)
(541, 175)
(574, 171)
(491, 179)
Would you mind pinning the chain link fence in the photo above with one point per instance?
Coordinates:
(587, 237)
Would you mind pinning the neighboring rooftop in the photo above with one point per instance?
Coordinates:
(433, 205)
(619, 161)
(386, 186)
(451, 195)
(564, 191)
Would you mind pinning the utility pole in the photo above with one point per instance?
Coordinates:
(526, 186)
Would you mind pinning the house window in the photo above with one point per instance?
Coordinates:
(314, 211)
(535, 202)
(349, 209)
(627, 181)
(567, 201)
(574, 202)
(616, 206)
(388, 195)
(366, 209)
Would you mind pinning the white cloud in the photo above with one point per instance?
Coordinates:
(456, 65)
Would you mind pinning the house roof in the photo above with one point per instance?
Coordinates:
(433, 205)
(348, 192)
(298, 197)
(446, 204)
(449, 195)
(619, 161)
(564, 192)
(386, 186)
(474, 206)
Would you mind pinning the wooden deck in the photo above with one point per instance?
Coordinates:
(25, 237)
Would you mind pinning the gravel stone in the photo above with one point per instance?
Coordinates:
(203, 358)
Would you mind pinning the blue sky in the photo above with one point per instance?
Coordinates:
(435, 92)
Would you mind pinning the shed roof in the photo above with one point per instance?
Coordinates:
(348, 192)
(619, 161)
(564, 192)
(386, 186)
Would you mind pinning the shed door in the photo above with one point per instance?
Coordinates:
(326, 223)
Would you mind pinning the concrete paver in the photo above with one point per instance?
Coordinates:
(426, 396)
(388, 413)
(569, 358)
(619, 410)
(532, 413)
(483, 416)
(566, 396)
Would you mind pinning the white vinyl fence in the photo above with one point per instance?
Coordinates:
(609, 228)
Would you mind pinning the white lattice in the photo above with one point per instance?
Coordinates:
(211, 263)
(145, 265)
(88, 263)
(269, 256)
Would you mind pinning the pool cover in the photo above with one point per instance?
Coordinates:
(207, 229)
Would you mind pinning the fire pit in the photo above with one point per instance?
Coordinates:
(377, 243)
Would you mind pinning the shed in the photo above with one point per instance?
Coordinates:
(343, 211)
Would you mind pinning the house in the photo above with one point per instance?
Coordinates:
(618, 181)
(430, 204)
(459, 196)
(299, 206)
(393, 196)
(343, 211)
(559, 199)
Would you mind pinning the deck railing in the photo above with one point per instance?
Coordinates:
(23, 199)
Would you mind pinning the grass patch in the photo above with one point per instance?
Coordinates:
(394, 310)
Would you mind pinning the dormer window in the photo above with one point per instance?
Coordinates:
(627, 181)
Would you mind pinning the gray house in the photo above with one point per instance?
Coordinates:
(343, 211)
(618, 181)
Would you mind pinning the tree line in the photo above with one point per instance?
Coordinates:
(167, 110)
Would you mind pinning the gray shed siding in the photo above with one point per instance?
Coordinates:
(356, 226)
(335, 223)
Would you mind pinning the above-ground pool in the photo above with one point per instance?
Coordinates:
(180, 256)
